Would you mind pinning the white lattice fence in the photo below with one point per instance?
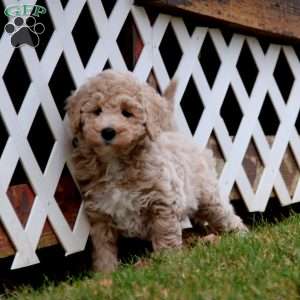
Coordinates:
(189, 70)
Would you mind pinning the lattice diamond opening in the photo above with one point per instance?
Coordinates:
(85, 34)
(152, 15)
(107, 65)
(3, 135)
(153, 81)
(3, 19)
(108, 6)
(253, 165)
(61, 84)
(209, 60)
(284, 76)
(231, 112)
(192, 106)
(213, 144)
(297, 123)
(17, 79)
(41, 139)
(66, 194)
(170, 50)
(48, 236)
(127, 38)
(297, 50)
(227, 35)
(290, 171)
(64, 3)
(191, 24)
(45, 37)
(268, 119)
(21, 194)
(235, 193)
(247, 68)
(264, 45)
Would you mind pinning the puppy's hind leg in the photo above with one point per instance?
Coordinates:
(219, 214)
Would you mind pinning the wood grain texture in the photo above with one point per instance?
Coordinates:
(272, 17)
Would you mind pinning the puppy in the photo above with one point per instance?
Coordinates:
(139, 177)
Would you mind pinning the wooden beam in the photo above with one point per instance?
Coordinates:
(280, 18)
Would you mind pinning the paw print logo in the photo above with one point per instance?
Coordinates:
(24, 31)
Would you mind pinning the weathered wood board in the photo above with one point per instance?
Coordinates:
(272, 17)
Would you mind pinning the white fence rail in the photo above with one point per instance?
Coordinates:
(44, 183)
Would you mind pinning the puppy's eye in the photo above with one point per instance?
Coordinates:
(126, 113)
(98, 111)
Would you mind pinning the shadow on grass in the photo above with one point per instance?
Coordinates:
(56, 267)
(273, 213)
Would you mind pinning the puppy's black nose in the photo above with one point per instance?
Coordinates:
(108, 133)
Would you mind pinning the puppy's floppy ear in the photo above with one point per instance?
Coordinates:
(73, 105)
(169, 94)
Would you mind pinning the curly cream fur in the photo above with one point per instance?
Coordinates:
(149, 177)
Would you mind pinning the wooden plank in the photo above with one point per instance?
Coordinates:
(279, 18)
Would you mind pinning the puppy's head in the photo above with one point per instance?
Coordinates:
(113, 112)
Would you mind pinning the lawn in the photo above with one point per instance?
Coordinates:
(265, 264)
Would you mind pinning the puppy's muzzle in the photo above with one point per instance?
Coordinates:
(108, 134)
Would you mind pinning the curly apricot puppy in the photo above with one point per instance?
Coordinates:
(138, 176)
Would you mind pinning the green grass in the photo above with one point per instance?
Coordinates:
(263, 265)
